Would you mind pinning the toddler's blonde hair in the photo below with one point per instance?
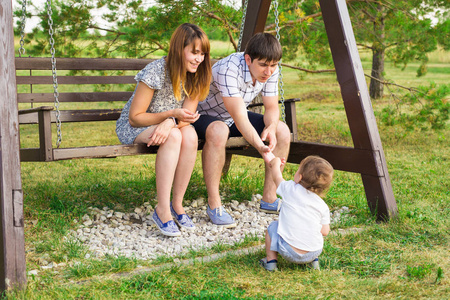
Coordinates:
(317, 174)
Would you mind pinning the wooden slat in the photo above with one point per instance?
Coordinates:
(110, 151)
(102, 151)
(78, 63)
(74, 97)
(44, 63)
(76, 80)
(76, 116)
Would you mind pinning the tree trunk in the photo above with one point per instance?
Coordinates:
(257, 109)
(376, 87)
(378, 50)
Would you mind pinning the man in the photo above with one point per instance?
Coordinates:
(237, 80)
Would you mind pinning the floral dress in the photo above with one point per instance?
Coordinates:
(155, 76)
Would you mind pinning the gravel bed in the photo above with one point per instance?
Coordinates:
(105, 231)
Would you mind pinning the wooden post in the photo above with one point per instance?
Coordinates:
(358, 107)
(255, 19)
(12, 242)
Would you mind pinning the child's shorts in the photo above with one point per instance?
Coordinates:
(278, 244)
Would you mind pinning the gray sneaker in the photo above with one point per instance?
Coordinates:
(269, 266)
(220, 217)
(314, 264)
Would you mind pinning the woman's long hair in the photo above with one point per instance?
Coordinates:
(195, 85)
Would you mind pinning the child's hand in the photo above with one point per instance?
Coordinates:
(268, 156)
(278, 162)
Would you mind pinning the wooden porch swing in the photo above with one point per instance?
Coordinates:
(366, 157)
(44, 116)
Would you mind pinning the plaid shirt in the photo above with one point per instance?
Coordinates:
(232, 78)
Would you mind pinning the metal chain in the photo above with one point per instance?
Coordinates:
(280, 68)
(55, 79)
(22, 28)
(241, 30)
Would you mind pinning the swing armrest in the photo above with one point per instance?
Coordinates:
(45, 150)
(35, 109)
(291, 114)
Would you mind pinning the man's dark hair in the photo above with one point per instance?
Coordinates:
(264, 46)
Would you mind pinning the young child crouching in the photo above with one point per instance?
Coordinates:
(304, 217)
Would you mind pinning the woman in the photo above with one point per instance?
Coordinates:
(160, 112)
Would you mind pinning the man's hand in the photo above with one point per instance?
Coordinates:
(269, 134)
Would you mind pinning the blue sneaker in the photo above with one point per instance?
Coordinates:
(183, 220)
(271, 208)
(169, 228)
(220, 217)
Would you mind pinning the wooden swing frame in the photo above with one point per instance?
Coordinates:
(366, 157)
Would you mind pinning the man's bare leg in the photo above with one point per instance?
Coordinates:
(213, 160)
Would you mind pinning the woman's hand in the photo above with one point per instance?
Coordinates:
(161, 133)
(185, 115)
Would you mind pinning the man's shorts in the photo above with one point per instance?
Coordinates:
(257, 120)
(278, 244)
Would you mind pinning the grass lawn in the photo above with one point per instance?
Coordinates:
(405, 258)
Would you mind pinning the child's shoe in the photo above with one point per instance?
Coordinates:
(269, 265)
(314, 264)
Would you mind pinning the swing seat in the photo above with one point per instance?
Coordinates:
(121, 72)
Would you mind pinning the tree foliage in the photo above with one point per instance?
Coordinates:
(425, 107)
(401, 31)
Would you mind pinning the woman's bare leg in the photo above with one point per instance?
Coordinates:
(165, 166)
(186, 162)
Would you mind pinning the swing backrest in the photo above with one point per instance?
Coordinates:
(105, 80)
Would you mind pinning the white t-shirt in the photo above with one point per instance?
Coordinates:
(301, 216)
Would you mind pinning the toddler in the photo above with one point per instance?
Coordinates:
(304, 217)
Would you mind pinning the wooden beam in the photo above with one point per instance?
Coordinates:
(357, 105)
(255, 19)
(12, 241)
(341, 158)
